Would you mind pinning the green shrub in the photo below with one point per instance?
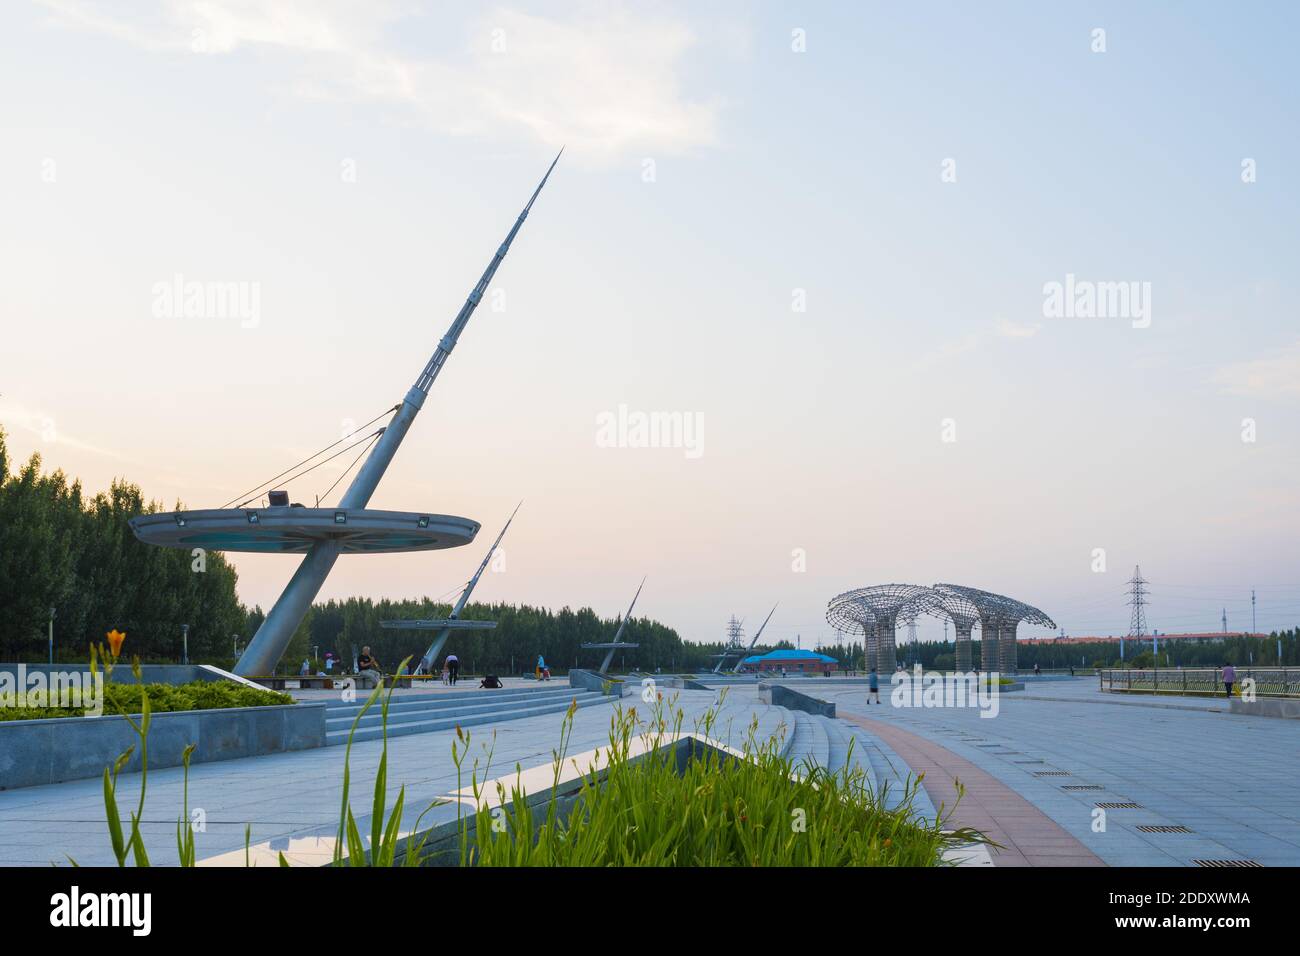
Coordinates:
(163, 698)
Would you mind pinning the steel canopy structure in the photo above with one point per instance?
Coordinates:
(874, 612)
(304, 531)
(952, 604)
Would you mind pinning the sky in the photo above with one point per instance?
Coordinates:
(823, 238)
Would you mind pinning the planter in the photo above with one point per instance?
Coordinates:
(36, 752)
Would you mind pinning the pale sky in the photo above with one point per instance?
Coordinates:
(820, 232)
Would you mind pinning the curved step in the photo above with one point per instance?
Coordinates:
(443, 721)
(891, 773)
(839, 743)
(449, 699)
(396, 716)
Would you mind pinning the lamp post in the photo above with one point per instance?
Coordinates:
(51, 636)
(185, 643)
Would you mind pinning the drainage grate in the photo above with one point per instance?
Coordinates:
(1026, 761)
(1120, 806)
(1164, 829)
(1084, 786)
(1219, 864)
(1051, 773)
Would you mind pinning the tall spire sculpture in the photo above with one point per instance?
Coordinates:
(322, 534)
(754, 640)
(454, 622)
(617, 644)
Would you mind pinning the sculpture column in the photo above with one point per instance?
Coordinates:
(1007, 646)
(885, 628)
(989, 644)
(963, 649)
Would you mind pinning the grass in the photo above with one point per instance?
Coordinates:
(756, 809)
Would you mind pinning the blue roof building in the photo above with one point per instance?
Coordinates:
(791, 660)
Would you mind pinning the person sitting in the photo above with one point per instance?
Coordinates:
(491, 682)
(368, 673)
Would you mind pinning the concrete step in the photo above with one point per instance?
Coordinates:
(821, 742)
(811, 743)
(482, 704)
(446, 721)
(891, 773)
(839, 743)
(452, 699)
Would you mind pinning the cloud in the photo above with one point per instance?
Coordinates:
(605, 80)
(1276, 376)
(1001, 328)
(14, 415)
(1013, 330)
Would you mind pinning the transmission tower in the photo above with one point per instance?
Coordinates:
(1137, 601)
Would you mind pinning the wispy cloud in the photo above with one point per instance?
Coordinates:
(1007, 329)
(1000, 328)
(605, 80)
(36, 422)
(1274, 376)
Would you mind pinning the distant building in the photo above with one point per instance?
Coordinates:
(806, 662)
(1112, 639)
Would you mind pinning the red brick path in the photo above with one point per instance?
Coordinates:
(1028, 836)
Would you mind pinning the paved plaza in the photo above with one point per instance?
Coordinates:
(1229, 779)
(1033, 776)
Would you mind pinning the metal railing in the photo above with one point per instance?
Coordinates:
(1204, 681)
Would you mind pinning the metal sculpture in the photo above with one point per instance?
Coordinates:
(943, 601)
(884, 602)
(875, 611)
(853, 618)
(754, 641)
(1014, 613)
(444, 626)
(732, 647)
(617, 643)
(322, 534)
(990, 608)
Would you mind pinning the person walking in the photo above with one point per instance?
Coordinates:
(873, 686)
(1038, 671)
(453, 668)
(1229, 677)
(541, 666)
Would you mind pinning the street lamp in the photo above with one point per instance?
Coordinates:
(51, 636)
(185, 643)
